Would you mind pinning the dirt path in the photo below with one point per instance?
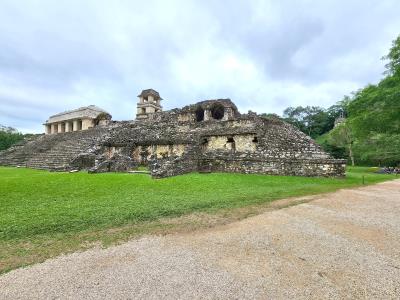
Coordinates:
(341, 245)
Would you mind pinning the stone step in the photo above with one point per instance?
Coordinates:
(52, 151)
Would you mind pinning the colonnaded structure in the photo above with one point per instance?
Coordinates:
(82, 118)
(209, 136)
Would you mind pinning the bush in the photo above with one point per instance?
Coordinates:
(7, 139)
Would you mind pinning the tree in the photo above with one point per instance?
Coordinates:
(334, 150)
(9, 138)
(338, 110)
(312, 120)
(371, 132)
(342, 136)
(374, 114)
(393, 66)
(380, 149)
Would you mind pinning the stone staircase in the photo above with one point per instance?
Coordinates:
(52, 152)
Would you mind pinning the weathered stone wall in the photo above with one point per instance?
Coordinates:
(230, 143)
(245, 143)
(173, 165)
(210, 136)
(301, 167)
(181, 159)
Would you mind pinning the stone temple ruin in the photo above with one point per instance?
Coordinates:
(209, 136)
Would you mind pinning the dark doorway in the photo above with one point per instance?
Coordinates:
(231, 144)
(199, 114)
(204, 144)
(217, 111)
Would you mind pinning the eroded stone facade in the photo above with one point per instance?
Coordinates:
(212, 136)
(209, 136)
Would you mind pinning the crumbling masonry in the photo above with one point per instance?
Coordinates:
(209, 136)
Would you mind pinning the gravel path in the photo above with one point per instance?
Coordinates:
(341, 245)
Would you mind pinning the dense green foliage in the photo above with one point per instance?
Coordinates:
(393, 66)
(372, 129)
(313, 120)
(374, 119)
(7, 139)
(371, 132)
(36, 202)
(336, 151)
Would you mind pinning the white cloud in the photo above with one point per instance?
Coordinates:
(264, 55)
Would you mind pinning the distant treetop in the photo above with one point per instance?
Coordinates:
(393, 66)
(8, 129)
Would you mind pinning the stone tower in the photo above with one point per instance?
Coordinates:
(148, 104)
(341, 119)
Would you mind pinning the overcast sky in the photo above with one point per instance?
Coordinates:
(264, 55)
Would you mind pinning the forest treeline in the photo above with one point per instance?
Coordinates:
(370, 132)
(9, 138)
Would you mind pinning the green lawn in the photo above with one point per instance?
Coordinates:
(43, 206)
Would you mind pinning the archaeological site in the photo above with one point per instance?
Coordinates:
(209, 136)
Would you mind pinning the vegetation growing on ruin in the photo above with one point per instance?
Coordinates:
(43, 214)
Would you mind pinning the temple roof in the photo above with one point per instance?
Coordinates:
(151, 92)
(207, 104)
(91, 112)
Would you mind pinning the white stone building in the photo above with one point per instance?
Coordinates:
(82, 118)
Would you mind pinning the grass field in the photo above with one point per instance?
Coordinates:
(43, 214)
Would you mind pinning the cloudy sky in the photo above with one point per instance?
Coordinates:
(264, 55)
